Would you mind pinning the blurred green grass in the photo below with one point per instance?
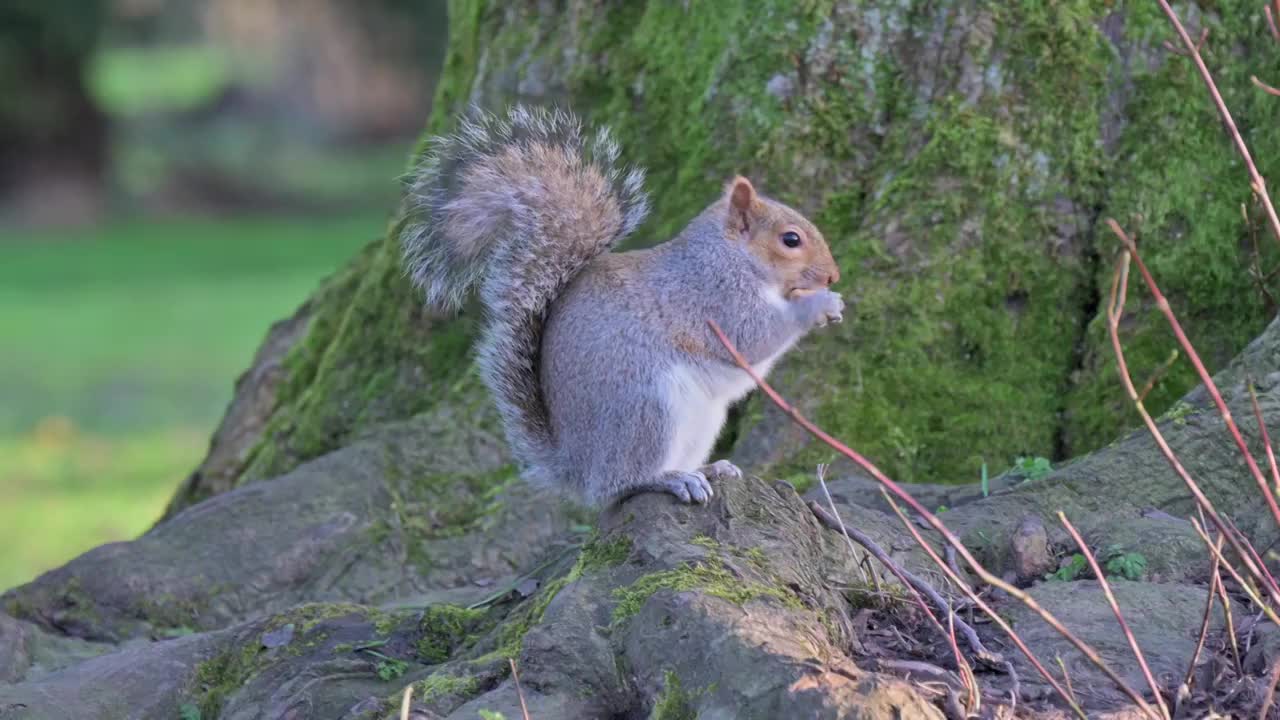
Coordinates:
(120, 345)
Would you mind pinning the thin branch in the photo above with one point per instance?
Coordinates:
(1115, 310)
(986, 575)
(907, 578)
(1271, 20)
(874, 580)
(1246, 586)
(404, 702)
(524, 709)
(913, 584)
(1255, 178)
(1159, 373)
(1265, 87)
(1215, 577)
(1115, 608)
(1066, 693)
(1266, 439)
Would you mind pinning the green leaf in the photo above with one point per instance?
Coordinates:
(1074, 568)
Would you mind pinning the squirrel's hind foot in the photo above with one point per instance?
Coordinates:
(689, 487)
(722, 470)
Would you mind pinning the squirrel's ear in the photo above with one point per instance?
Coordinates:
(742, 196)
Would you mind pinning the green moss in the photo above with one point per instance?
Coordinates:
(1180, 189)
(598, 554)
(509, 637)
(434, 506)
(438, 685)
(1179, 413)
(306, 617)
(709, 577)
(218, 678)
(674, 703)
(444, 628)
(370, 355)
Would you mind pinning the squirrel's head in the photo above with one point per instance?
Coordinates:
(781, 238)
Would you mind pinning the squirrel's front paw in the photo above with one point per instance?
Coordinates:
(826, 307)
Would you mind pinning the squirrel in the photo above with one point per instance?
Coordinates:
(603, 367)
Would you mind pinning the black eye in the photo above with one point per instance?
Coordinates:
(791, 239)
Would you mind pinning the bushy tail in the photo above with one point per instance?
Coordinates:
(516, 206)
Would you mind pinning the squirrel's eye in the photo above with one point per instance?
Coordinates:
(791, 239)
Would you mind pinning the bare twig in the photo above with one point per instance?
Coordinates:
(1115, 608)
(1255, 178)
(1215, 578)
(1159, 373)
(1271, 20)
(524, 709)
(858, 561)
(1066, 676)
(404, 702)
(1115, 310)
(1163, 304)
(1270, 90)
(1266, 439)
(1235, 575)
(907, 578)
(1004, 626)
(915, 586)
(1259, 277)
(973, 700)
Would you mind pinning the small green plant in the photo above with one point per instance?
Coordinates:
(1074, 568)
(986, 485)
(1130, 566)
(941, 509)
(1033, 468)
(491, 715)
(388, 668)
(188, 711)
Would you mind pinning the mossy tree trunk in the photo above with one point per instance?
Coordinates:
(960, 157)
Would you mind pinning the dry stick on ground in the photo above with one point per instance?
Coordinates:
(912, 581)
(979, 569)
(1115, 608)
(1228, 616)
(1240, 580)
(913, 584)
(404, 703)
(871, 569)
(1255, 178)
(524, 709)
(1215, 577)
(1115, 310)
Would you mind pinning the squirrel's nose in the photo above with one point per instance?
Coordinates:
(834, 276)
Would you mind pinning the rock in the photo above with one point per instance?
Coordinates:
(1029, 545)
(1165, 619)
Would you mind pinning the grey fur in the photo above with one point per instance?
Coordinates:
(581, 346)
(608, 346)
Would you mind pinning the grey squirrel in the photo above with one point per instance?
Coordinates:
(607, 376)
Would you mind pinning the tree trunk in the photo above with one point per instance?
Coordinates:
(960, 159)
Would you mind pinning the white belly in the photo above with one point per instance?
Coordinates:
(698, 400)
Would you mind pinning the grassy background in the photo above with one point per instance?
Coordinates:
(120, 347)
